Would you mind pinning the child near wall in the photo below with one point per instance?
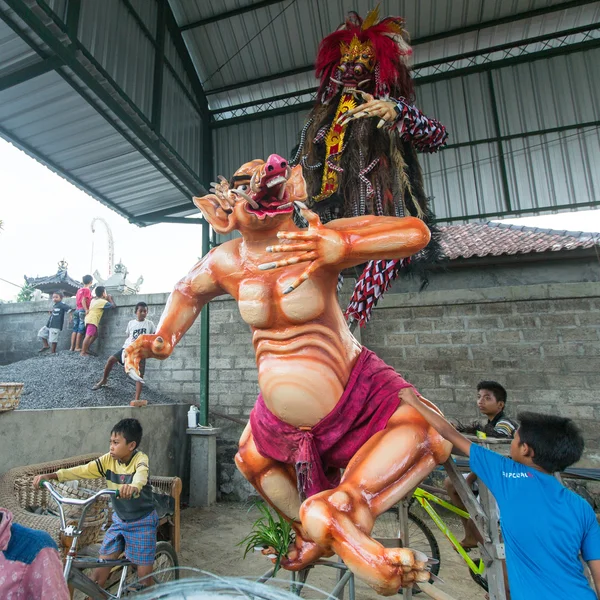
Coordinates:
(56, 320)
(82, 306)
(98, 305)
(136, 327)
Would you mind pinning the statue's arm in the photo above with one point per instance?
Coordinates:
(344, 243)
(188, 297)
(371, 238)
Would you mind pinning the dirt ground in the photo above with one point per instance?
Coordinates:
(209, 539)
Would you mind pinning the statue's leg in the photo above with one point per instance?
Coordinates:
(383, 471)
(276, 483)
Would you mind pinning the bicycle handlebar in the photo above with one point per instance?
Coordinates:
(85, 504)
(60, 499)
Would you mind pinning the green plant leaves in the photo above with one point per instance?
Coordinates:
(269, 532)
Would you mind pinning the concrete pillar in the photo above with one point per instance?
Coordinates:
(203, 467)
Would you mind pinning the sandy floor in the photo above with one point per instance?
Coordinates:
(209, 538)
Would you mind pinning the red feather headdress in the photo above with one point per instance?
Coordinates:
(390, 43)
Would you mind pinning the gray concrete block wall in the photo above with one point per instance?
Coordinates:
(542, 342)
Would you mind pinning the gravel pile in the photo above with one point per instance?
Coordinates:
(65, 380)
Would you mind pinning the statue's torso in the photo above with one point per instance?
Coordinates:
(304, 349)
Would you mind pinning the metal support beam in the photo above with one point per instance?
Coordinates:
(174, 220)
(519, 136)
(207, 166)
(441, 76)
(268, 100)
(173, 210)
(73, 10)
(518, 45)
(230, 13)
(204, 339)
(501, 160)
(159, 66)
(30, 72)
(184, 55)
(520, 211)
(263, 115)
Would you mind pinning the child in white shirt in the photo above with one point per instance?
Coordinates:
(135, 328)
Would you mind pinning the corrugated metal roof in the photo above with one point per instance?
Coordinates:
(92, 120)
(260, 139)
(266, 41)
(115, 40)
(15, 54)
(47, 115)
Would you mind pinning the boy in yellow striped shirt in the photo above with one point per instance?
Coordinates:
(135, 521)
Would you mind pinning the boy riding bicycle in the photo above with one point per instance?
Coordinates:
(135, 521)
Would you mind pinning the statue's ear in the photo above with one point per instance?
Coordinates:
(221, 221)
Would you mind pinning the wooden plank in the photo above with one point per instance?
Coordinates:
(466, 495)
(434, 592)
(494, 571)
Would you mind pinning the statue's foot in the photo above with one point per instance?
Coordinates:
(399, 568)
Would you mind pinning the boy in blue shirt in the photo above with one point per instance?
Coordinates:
(545, 526)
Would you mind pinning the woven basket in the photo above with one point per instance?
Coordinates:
(10, 393)
(96, 514)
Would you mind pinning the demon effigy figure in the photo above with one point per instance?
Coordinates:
(356, 165)
(325, 403)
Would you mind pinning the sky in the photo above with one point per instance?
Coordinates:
(47, 219)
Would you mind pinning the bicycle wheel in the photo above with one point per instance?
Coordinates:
(387, 532)
(164, 569)
(166, 562)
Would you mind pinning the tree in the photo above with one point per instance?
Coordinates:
(26, 293)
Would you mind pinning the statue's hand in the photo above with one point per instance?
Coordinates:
(318, 245)
(146, 346)
(384, 109)
(222, 196)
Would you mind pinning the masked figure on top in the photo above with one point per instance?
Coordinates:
(358, 149)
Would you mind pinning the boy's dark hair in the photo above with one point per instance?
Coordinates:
(100, 289)
(140, 305)
(557, 442)
(87, 279)
(60, 294)
(494, 387)
(130, 429)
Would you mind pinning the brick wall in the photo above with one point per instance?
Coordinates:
(541, 342)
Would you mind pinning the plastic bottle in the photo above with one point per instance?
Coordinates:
(193, 417)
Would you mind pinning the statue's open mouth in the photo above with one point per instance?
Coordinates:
(268, 195)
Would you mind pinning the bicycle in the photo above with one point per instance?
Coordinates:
(420, 537)
(165, 561)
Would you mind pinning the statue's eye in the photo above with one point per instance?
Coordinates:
(365, 56)
(242, 187)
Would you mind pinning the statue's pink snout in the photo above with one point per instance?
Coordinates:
(276, 165)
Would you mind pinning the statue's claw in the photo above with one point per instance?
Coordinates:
(134, 375)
